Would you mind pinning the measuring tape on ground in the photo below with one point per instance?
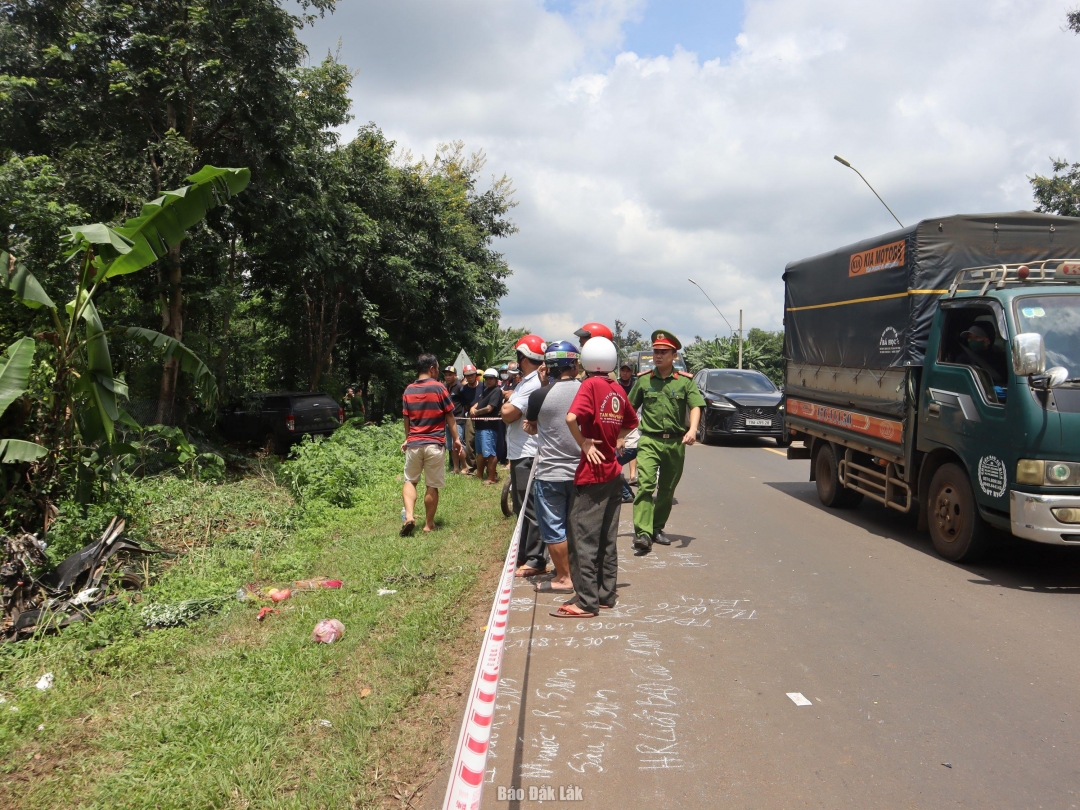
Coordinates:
(470, 758)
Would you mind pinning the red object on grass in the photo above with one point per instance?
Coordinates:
(332, 583)
(266, 611)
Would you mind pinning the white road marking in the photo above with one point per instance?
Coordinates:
(798, 699)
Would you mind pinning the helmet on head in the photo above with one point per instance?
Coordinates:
(533, 347)
(593, 329)
(469, 369)
(562, 354)
(599, 355)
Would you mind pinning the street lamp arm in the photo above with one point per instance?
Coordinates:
(843, 162)
(714, 306)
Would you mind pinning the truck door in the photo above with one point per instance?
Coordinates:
(966, 395)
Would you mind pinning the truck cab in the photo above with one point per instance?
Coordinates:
(1000, 396)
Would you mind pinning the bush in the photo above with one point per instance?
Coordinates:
(352, 467)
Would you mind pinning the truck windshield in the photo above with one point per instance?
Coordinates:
(1057, 319)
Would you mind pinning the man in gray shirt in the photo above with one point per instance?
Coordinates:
(556, 459)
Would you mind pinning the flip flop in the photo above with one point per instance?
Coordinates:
(534, 572)
(407, 529)
(607, 607)
(563, 613)
(545, 587)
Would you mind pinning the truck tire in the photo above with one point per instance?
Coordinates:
(829, 489)
(956, 527)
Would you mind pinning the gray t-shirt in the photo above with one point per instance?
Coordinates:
(558, 453)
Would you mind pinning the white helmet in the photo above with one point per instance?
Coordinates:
(599, 355)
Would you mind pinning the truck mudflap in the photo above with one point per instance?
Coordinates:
(1031, 518)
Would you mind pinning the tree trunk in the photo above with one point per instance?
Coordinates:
(172, 324)
(226, 321)
(324, 337)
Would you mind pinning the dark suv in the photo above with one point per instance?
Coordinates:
(740, 403)
(279, 420)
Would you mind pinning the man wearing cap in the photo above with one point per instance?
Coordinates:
(664, 396)
(457, 458)
(487, 405)
(466, 396)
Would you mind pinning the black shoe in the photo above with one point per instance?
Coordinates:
(643, 542)
(628, 499)
(662, 539)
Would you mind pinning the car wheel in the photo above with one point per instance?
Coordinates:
(702, 435)
(783, 440)
(506, 501)
(956, 527)
(826, 474)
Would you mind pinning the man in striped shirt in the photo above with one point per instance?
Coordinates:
(429, 417)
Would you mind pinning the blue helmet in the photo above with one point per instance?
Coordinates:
(562, 354)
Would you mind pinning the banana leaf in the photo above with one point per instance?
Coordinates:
(163, 223)
(13, 451)
(28, 291)
(205, 382)
(99, 381)
(15, 372)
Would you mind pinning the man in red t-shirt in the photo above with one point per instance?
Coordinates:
(598, 417)
(429, 418)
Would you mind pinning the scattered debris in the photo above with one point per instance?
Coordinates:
(41, 727)
(798, 699)
(947, 764)
(325, 723)
(327, 631)
(365, 692)
(419, 577)
(315, 584)
(386, 592)
(45, 681)
(264, 612)
(68, 593)
(279, 594)
(180, 613)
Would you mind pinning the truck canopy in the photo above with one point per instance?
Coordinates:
(870, 304)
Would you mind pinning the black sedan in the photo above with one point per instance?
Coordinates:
(739, 403)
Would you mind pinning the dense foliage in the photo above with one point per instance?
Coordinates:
(762, 350)
(339, 264)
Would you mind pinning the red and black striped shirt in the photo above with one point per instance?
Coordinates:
(426, 403)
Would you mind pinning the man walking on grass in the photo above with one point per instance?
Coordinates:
(429, 416)
(556, 459)
(521, 450)
(599, 416)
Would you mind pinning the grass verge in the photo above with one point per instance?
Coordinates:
(230, 712)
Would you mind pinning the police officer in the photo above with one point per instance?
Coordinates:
(664, 395)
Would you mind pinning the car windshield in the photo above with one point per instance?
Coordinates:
(1057, 319)
(645, 363)
(733, 382)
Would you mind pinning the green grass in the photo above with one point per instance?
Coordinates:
(226, 712)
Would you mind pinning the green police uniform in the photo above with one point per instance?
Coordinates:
(664, 402)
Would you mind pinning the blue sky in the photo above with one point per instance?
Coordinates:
(706, 27)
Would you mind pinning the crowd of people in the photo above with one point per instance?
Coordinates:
(564, 419)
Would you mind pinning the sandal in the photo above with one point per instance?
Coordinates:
(546, 587)
(532, 572)
(407, 529)
(563, 612)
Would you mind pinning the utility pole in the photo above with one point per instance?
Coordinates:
(740, 338)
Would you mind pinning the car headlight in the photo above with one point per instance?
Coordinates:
(1037, 472)
(722, 405)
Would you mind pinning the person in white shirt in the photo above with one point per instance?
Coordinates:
(521, 451)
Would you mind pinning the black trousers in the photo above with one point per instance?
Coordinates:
(531, 550)
(592, 531)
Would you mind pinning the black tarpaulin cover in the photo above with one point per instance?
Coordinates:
(870, 305)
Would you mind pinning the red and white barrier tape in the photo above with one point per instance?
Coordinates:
(470, 759)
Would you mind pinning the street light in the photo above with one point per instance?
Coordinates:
(722, 316)
(843, 162)
(649, 324)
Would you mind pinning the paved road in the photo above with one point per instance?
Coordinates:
(678, 698)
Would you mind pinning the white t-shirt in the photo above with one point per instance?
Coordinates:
(520, 444)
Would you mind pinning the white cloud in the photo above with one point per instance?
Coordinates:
(634, 174)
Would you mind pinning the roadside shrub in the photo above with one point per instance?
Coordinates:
(350, 468)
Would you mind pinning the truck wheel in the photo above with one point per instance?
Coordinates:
(956, 527)
(829, 489)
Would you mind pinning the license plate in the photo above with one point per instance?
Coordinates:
(759, 422)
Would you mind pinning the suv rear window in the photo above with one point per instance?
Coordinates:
(276, 403)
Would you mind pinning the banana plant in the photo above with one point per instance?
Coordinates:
(14, 378)
(85, 388)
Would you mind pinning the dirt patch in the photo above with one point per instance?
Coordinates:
(416, 751)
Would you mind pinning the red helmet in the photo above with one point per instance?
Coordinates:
(469, 369)
(533, 347)
(591, 330)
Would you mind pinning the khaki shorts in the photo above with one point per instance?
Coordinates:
(428, 459)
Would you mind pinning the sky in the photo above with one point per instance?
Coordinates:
(652, 142)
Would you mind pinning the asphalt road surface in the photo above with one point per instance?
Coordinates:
(930, 684)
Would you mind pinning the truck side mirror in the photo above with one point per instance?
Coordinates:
(1028, 354)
